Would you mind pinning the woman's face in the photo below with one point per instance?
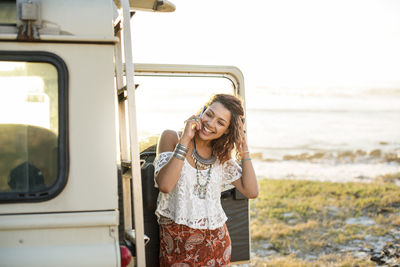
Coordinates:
(215, 122)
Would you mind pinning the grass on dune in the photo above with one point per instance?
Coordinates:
(331, 260)
(309, 217)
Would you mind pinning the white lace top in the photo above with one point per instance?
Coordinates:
(183, 206)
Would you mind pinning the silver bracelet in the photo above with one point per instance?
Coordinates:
(181, 147)
(180, 152)
(179, 155)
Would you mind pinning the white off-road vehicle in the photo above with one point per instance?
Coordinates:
(78, 124)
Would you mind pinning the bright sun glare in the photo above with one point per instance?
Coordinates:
(22, 99)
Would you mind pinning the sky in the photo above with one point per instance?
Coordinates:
(279, 43)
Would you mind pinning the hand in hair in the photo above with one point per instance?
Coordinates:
(241, 144)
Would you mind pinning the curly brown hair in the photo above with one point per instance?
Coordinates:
(223, 146)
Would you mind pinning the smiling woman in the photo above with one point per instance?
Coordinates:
(192, 167)
(166, 96)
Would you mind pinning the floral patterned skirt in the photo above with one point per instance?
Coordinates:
(182, 246)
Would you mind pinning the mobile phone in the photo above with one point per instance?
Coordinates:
(202, 112)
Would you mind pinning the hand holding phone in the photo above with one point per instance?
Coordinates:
(200, 116)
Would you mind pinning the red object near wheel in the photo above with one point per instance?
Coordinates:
(126, 256)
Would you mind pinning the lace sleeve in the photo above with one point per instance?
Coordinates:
(231, 172)
(159, 162)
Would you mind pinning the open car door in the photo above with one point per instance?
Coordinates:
(166, 96)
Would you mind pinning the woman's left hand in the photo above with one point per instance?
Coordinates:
(247, 184)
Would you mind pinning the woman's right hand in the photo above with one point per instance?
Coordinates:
(193, 124)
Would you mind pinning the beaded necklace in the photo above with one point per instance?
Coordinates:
(203, 163)
(201, 189)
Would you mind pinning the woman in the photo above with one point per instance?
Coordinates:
(191, 169)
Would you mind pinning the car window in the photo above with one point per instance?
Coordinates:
(29, 128)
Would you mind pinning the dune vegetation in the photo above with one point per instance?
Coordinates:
(312, 223)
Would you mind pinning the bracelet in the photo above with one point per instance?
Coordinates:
(182, 147)
(179, 156)
(180, 152)
(246, 159)
(241, 152)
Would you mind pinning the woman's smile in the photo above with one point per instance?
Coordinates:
(206, 130)
(215, 121)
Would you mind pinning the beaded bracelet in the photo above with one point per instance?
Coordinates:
(246, 159)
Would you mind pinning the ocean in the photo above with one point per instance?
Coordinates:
(334, 134)
(328, 134)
